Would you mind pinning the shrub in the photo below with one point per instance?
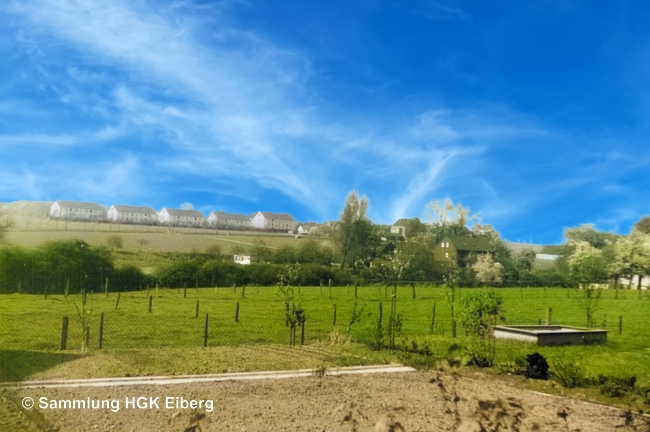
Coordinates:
(480, 359)
(616, 387)
(536, 367)
(569, 375)
(516, 367)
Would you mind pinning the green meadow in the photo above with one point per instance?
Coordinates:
(256, 316)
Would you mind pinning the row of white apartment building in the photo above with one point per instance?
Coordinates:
(87, 211)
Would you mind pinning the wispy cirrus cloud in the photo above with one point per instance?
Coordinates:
(135, 99)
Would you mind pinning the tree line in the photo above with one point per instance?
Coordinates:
(588, 256)
(74, 266)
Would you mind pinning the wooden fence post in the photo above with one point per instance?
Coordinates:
(237, 312)
(117, 302)
(334, 314)
(101, 330)
(106, 287)
(433, 318)
(205, 334)
(196, 314)
(64, 333)
(150, 303)
(302, 335)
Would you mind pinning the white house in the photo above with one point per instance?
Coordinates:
(186, 218)
(273, 221)
(242, 259)
(74, 210)
(220, 219)
(132, 214)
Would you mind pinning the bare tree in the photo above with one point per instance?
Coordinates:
(446, 218)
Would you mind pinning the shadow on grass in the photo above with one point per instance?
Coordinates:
(18, 365)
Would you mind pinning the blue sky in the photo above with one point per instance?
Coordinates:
(534, 114)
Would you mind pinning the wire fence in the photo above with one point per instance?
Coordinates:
(213, 318)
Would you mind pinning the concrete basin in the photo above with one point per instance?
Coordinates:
(551, 334)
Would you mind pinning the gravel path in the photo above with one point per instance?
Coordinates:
(415, 401)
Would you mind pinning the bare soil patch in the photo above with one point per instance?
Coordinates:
(427, 401)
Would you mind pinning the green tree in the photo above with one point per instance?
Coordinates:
(75, 264)
(643, 225)
(587, 233)
(632, 256)
(352, 227)
(311, 251)
(284, 254)
(587, 265)
(261, 252)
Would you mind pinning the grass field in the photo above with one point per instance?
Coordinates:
(31, 323)
(145, 247)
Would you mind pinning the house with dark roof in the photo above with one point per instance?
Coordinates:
(75, 210)
(184, 218)
(131, 214)
(457, 248)
(221, 219)
(273, 221)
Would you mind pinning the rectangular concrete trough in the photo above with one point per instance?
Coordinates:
(551, 334)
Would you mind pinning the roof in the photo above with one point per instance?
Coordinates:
(277, 216)
(80, 205)
(230, 216)
(184, 213)
(406, 221)
(474, 244)
(134, 209)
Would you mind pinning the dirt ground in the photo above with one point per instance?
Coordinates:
(416, 401)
